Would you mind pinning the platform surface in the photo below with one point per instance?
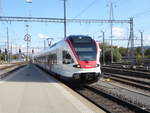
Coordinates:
(30, 90)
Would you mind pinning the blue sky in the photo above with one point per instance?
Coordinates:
(84, 9)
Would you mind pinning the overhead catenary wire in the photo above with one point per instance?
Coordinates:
(141, 13)
(85, 9)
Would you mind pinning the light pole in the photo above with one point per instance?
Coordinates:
(142, 49)
(27, 38)
(111, 29)
(103, 48)
(29, 1)
(8, 57)
(103, 51)
(44, 44)
(65, 30)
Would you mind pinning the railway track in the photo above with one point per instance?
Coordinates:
(126, 72)
(132, 78)
(130, 67)
(127, 93)
(132, 81)
(108, 102)
(120, 87)
(6, 70)
(12, 65)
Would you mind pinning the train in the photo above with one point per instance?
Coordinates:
(74, 59)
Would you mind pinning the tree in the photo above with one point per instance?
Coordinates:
(14, 57)
(147, 52)
(138, 51)
(116, 55)
(2, 57)
(123, 51)
(138, 59)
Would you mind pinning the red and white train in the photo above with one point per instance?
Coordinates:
(74, 59)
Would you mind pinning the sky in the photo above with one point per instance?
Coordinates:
(76, 9)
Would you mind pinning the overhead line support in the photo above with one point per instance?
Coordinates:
(59, 20)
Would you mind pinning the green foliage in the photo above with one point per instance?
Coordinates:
(2, 57)
(116, 55)
(147, 52)
(138, 51)
(148, 56)
(107, 56)
(14, 57)
(123, 51)
(138, 59)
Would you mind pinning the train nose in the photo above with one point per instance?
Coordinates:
(87, 64)
(86, 61)
(76, 76)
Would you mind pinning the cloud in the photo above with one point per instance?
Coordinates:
(42, 36)
(147, 39)
(118, 32)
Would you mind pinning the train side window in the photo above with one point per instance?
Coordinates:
(67, 59)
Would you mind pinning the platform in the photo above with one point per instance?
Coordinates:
(30, 90)
(5, 65)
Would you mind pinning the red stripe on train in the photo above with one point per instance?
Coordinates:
(83, 64)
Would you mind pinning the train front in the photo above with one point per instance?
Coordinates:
(86, 53)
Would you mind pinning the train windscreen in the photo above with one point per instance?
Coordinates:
(84, 47)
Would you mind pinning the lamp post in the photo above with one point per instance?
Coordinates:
(27, 38)
(8, 56)
(103, 48)
(103, 51)
(65, 29)
(65, 19)
(142, 48)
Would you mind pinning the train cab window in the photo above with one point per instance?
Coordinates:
(67, 59)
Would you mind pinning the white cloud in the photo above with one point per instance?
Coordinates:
(42, 36)
(118, 32)
(147, 39)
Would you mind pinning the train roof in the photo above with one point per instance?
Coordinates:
(44, 51)
(56, 45)
(77, 36)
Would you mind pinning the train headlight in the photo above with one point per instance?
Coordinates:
(77, 66)
(97, 65)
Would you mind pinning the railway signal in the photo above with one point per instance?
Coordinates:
(19, 51)
(32, 51)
